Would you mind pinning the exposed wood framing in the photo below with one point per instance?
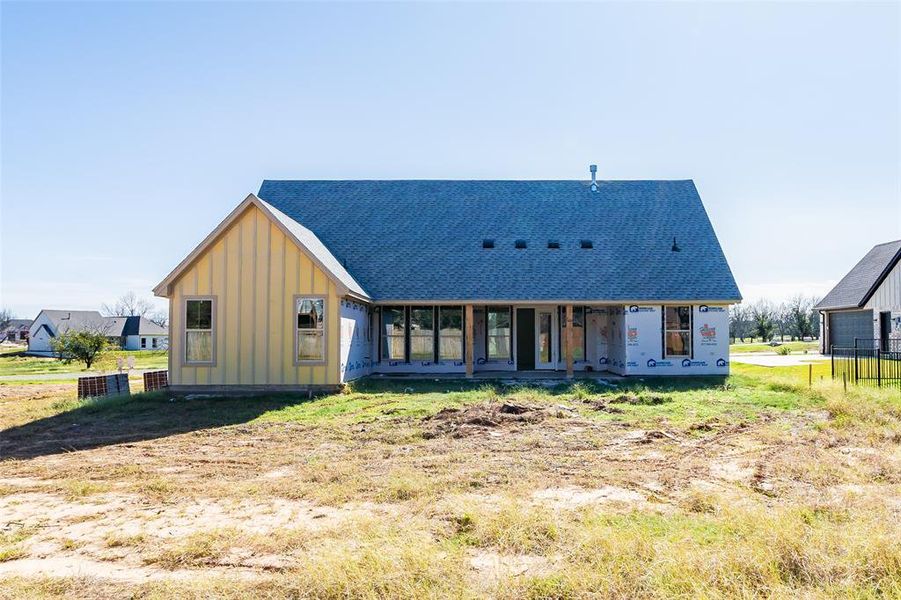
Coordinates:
(568, 340)
(470, 341)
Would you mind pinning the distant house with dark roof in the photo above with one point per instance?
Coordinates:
(15, 331)
(314, 283)
(128, 333)
(865, 306)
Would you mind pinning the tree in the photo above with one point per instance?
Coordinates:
(160, 317)
(763, 319)
(739, 322)
(6, 316)
(84, 346)
(128, 305)
(801, 315)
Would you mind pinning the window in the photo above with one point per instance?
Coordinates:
(586, 244)
(488, 244)
(677, 331)
(394, 326)
(450, 333)
(578, 332)
(499, 333)
(143, 343)
(310, 344)
(199, 330)
(553, 245)
(422, 333)
(520, 244)
(153, 342)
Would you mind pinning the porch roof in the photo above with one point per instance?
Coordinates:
(422, 240)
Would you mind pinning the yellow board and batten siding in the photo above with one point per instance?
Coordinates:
(254, 271)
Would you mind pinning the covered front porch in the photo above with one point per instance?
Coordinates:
(492, 340)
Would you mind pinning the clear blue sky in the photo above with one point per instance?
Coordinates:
(129, 130)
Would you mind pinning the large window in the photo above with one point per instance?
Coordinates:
(450, 333)
(310, 329)
(677, 330)
(394, 332)
(499, 333)
(422, 333)
(199, 331)
(578, 332)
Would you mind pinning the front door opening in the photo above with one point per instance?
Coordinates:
(525, 339)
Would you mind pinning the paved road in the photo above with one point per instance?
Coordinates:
(69, 376)
(771, 359)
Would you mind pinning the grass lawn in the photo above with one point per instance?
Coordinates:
(794, 347)
(752, 486)
(18, 364)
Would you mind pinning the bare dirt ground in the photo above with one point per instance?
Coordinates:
(254, 500)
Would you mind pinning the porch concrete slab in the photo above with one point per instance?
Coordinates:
(510, 377)
(768, 359)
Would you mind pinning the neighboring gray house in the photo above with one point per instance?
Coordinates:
(16, 331)
(866, 304)
(128, 333)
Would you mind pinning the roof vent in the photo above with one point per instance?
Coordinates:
(594, 175)
(520, 244)
(553, 245)
(586, 244)
(487, 243)
(676, 247)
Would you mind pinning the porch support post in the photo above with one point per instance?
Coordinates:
(470, 342)
(568, 341)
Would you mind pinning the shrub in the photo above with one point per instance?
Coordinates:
(783, 350)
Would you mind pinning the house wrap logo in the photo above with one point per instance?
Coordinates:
(704, 309)
(694, 363)
(721, 362)
(632, 335)
(640, 309)
(658, 363)
(708, 335)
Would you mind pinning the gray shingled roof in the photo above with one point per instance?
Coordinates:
(422, 240)
(142, 326)
(77, 320)
(855, 288)
(315, 246)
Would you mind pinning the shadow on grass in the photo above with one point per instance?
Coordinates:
(121, 419)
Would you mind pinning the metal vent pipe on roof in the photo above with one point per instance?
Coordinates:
(594, 180)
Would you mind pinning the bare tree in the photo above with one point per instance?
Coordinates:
(739, 322)
(6, 316)
(128, 305)
(160, 317)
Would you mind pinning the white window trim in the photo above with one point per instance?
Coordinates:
(184, 332)
(298, 362)
(666, 330)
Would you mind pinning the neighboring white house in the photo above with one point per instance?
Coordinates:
(864, 308)
(129, 333)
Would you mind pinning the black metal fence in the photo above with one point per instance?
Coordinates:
(885, 344)
(867, 366)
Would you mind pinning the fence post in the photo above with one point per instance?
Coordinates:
(856, 374)
(878, 369)
(810, 375)
(832, 358)
(845, 382)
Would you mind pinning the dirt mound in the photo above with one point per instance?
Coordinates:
(461, 422)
